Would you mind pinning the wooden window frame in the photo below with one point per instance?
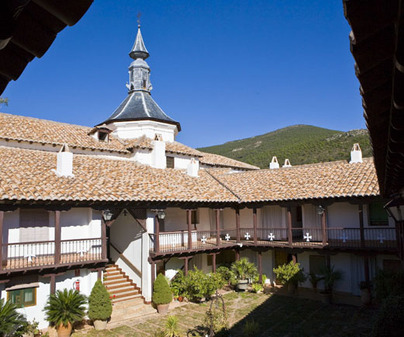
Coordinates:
(169, 158)
(23, 305)
(370, 224)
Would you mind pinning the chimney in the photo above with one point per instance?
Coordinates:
(193, 168)
(64, 162)
(356, 154)
(274, 163)
(287, 163)
(159, 152)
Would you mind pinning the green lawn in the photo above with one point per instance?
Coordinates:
(276, 315)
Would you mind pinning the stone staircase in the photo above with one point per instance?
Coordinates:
(120, 286)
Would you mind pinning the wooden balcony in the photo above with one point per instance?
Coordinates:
(380, 239)
(47, 254)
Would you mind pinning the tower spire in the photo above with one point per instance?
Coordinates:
(139, 49)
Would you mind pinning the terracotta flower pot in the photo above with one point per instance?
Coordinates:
(64, 331)
(162, 308)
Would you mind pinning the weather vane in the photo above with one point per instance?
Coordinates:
(139, 14)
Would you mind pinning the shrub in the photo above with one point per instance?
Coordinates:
(65, 307)
(290, 273)
(196, 285)
(388, 283)
(178, 284)
(330, 276)
(213, 282)
(256, 287)
(243, 269)
(12, 323)
(161, 291)
(99, 303)
(227, 275)
(390, 319)
(171, 327)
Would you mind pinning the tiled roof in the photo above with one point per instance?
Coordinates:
(27, 175)
(21, 128)
(218, 160)
(314, 181)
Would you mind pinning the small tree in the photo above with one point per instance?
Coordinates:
(243, 269)
(290, 273)
(11, 322)
(99, 303)
(161, 291)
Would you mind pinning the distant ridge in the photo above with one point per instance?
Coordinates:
(301, 144)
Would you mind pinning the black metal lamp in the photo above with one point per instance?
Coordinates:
(107, 215)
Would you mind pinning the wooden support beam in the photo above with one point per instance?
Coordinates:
(260, 265)
(290, 234)
(1, 239)
(217, 227)
(361, 225)
(324, 227)
(186, 260)
(52, 283)
(103, 239)
(238, 225)
(237, 254)
(189, 222)
(366, 269)
(57, 238)
(255, 225)
(214, 262)
(156, 234)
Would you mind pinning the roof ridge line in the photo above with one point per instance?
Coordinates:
(240, 200)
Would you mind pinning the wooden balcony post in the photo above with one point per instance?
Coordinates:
(186, 259)
(214, 262)
(52, 283)
(1, 239)
(237, 254)
(238, 225)
(156, 234)
(361, 228)
(255, 225)
(189, 222)
(260, 265)
(324, 227)
(290, 234)
(103, 239)
(218, 227)
(57, 238)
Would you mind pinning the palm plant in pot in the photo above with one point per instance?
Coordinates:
(243, 270)
(162, 295)
(290, 274)
(99, 306)
(63, 309)
(329, 276)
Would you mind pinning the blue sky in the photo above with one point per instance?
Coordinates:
(224, 69)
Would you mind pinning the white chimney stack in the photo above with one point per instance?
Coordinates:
(64, 162)
(287, 163)
(159, 152)
(193, 168)
(356, 154)
(274, 163)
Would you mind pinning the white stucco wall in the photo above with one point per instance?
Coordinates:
(343, 214)
(136, 129)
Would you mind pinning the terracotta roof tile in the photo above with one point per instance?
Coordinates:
(324, 180)
(27, 175)
(218, 160)
(21, 128)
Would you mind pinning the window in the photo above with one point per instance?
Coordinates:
(34, 225)
(103, 136)
(317, 262)
(22, 297)
(169, 162)
(194, 216)
(377, 215)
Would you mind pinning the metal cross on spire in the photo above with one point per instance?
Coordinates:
(139, 14)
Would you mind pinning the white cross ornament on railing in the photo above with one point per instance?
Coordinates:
(307, 237)
(29, 255)
(247, 236)
(227, 237)
(271, 236)
(344, 237)
(381, 238)
(203, 239)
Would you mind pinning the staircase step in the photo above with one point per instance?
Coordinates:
(113, 286)
(126, 298)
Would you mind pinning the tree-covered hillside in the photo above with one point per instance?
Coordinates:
(301, 144)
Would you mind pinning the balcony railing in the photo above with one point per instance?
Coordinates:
(310, 237)
(29, 255)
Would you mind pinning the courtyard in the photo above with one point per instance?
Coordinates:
(274, 314)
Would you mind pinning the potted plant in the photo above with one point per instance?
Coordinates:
(290, 274)
(99, 306)
(32, 330)
(11, 321)
(314, 279)
(329, 276)
(63, 309)
(365, 288)
(243, 270)
(162, 295)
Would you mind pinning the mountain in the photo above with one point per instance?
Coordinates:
(301, 144)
